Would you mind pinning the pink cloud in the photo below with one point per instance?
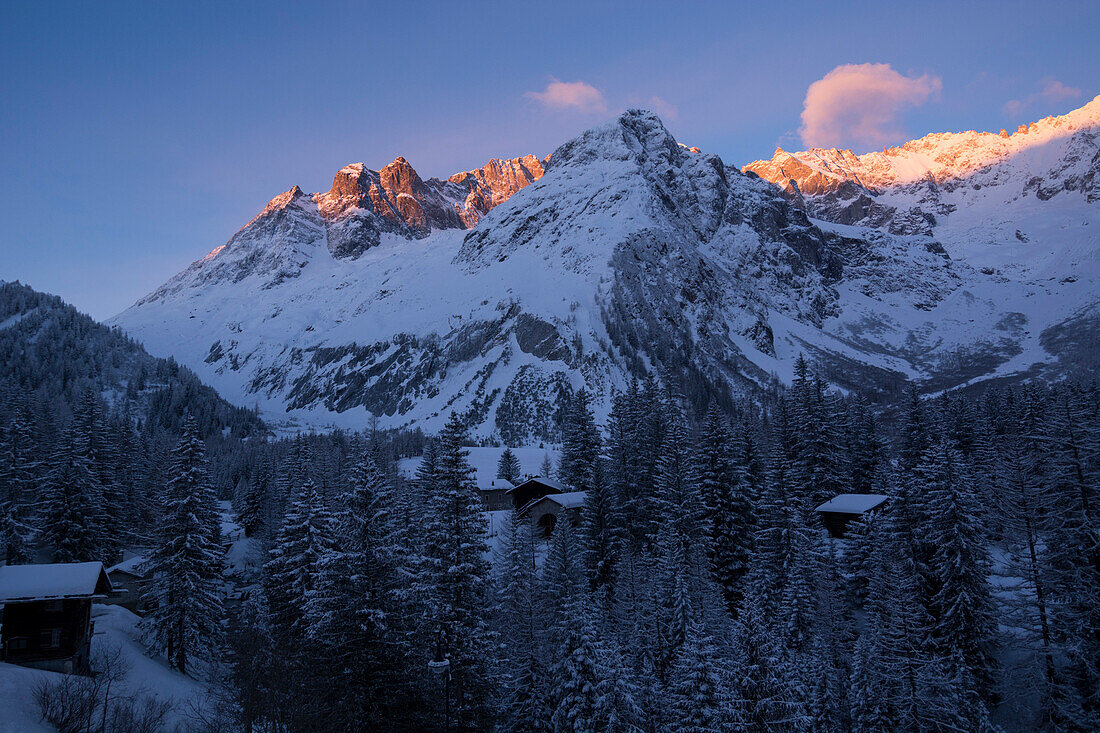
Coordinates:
(859, 105)
(1052, 91)
(570, 95)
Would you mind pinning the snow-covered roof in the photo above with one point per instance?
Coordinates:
(53, 581)
(132, 566)
(546, 482)
(496, 484)
(852, 503)
(568, 500)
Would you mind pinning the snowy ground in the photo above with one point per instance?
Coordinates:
(115, 628)
(484, 462)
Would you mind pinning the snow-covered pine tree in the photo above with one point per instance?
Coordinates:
(830, 649)
(94, 439)
(817, 467)
(577, 677)
(1026, 514)
(915, 430)
(617, 707)
(508, 467)
(356, 613)
(698, 701)
(864, 449)
(186, 565)
(252, 658)
(562, 581)
(454, 582)
(726, 497)
(293, 572)
(72, 522)
(580, 455)
(963, 628)
(525, 701)
(17, 471)
(253, 506)
(1072, 436)
(291, 576)
(769, 691)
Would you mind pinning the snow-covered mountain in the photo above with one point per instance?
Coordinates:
(625, 252)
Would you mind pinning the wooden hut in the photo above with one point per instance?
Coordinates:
(842, 509)
(47, 621)
(533, 488)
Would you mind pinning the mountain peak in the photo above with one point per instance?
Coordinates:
(634, 255)
(946, 158)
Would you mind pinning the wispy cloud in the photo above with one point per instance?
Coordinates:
(860, 105)
(570, 95)
(1051, 90)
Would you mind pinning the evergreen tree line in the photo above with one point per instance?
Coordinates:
(695, 590)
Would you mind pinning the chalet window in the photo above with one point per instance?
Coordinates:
(55, 606)
(50, 639)
(17, 644)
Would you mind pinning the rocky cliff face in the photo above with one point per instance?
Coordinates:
(494, 184)
(624, 253)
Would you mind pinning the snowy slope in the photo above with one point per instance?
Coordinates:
(629, 253)
(115, 629)
(632, 254)
(1017, 220)
(484, 462)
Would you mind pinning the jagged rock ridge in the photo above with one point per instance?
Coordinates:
(623, 253)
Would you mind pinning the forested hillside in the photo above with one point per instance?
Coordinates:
(51, 356)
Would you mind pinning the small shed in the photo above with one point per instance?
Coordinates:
(533, 488)
(47, 621)
(842, 509)
(544, 511)
(129, 580)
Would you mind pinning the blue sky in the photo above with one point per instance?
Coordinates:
(135, 137)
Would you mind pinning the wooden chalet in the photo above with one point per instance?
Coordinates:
(47, 617)
(841, 510)
(545, 511)
(494, 493)
(533, 488)
(129, 580)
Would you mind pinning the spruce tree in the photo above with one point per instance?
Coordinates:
(17, 470)
(726, 497)
(454, 580)
(186, 564)
(291, 577)
(580, 456)
(355, 612)
(1071, 434)
(508, 467)
(696, 691)
(577, 677)
(252, 504)
(293, 572)
(963, 627)
(73, 524)
(817, 468)
(525, 701)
